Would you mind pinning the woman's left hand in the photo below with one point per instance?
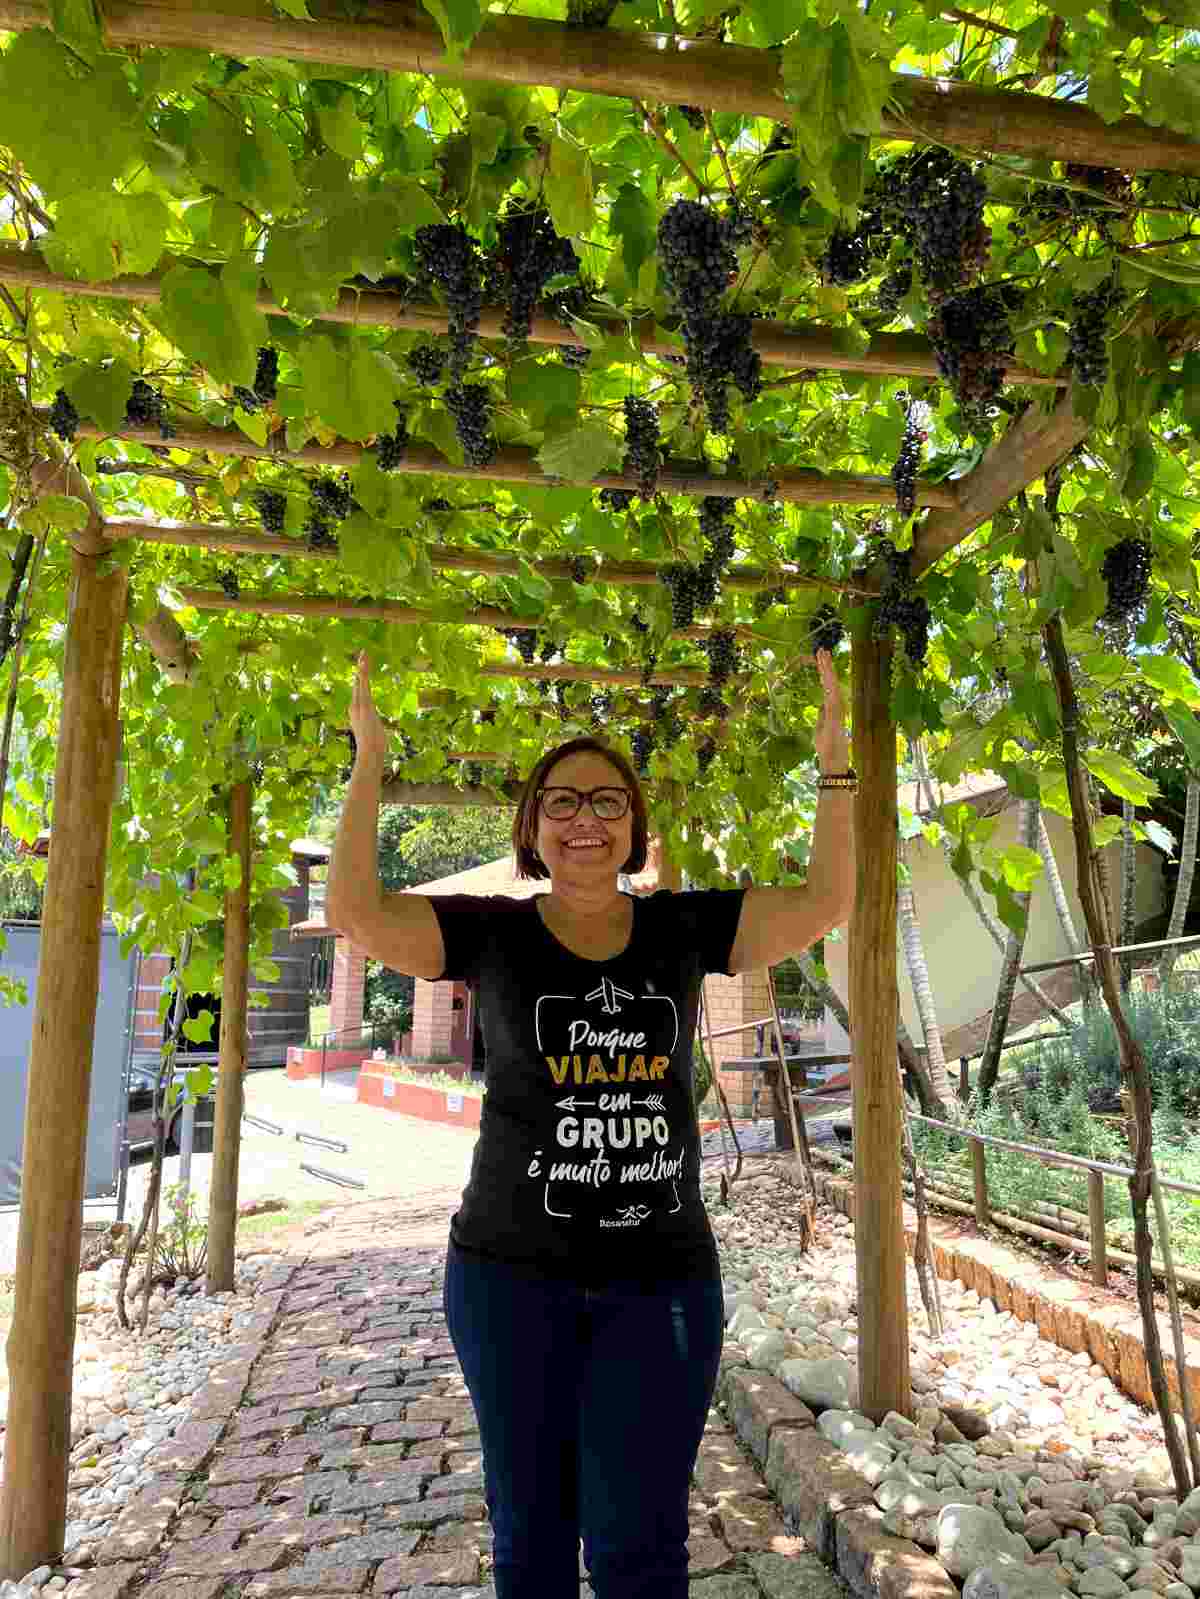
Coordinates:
(831, 739)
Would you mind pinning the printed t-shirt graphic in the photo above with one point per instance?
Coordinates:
(588, 1157)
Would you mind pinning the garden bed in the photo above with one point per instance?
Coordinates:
(386, 1090)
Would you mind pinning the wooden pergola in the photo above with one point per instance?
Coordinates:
(508, 50)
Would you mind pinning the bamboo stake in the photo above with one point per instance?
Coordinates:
(1177, 1339)
(514, 464)
(41, 1344)
(883, 1356)
(652, 66)
(231, 1067)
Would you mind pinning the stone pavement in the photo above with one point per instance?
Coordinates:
(335, 1451)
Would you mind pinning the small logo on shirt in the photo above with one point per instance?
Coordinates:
(608, 994)
(631, 1216)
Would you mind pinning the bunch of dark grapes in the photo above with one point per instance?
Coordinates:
(722, 651)
(696, 252)
(438, 506)
(693, 116)
(904, 472)
(937, 201)
(601, 708)
(529, 253)
(146, 408)
(390, 447)
(638, 625)
(271, 506)
(487, 716)
(564, 304)
(706, 584)
(649, 667)
(449, 256)
(680, 581)
(642, 454)
(470, 405)
(318, 533)
(332, 496)
(228, 579)
(827, 630)
(901, 607)
(266, 382)
(581, 571)
(1051, 202)
(847, 258)
(64, 418)
(616, 499)
(426, 362)
(549, 649)
(971, 336)
(1126, 572)
(642, 745)
(706, 754)
(894, 289)
(716, 517)
(710, 703)
(766, 598)
(1087, 340)
(523, 640)
(560, 697)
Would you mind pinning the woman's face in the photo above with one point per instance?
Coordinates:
(584, 842)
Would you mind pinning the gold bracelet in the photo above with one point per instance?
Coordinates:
(839, 780)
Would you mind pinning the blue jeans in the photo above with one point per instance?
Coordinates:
(591, 1405)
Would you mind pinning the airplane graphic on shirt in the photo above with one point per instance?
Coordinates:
(608, 994)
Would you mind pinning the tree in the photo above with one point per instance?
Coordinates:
(918, 972)
(1029, 815)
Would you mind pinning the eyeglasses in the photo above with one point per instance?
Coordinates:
(561, 804)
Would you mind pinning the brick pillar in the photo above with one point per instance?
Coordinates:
(434, 1018)
(349, 987)
(738, 999)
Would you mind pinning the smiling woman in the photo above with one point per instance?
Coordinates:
(561, 1263)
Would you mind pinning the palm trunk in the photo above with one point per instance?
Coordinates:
(1187, 873)
(1128, 890)
(918, 972)
(1028, 816)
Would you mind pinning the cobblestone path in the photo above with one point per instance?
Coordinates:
(336, 1453)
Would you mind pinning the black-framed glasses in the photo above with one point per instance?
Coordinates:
(560, 804)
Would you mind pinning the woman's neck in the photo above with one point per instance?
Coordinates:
(584, 901)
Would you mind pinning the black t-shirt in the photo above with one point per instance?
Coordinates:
(588, 1159)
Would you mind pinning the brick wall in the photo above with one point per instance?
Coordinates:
(348, 988)
(441, 1021)
(732, 1000)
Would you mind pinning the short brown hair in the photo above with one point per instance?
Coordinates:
(529, 862)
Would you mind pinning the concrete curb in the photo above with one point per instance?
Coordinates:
(821, 1497)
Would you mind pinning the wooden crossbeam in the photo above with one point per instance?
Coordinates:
(361, 305)
(514, 464)
(394, 37)
(446, 557)
(393, 611)
(398, 791)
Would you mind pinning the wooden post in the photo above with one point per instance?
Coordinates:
(1096, 1228)
(883, 1369)
(979, 1172)
(231, 1068)
(41, 1344)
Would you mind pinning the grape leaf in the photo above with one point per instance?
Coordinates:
(1120, 776)
(1172, 678)
(580, 453)
(1106, 89)
(633, 221)
(57, 133)
(100, 391)
(459, 20)
(349, 386)
(340, 127)
(568, 187)
(102, 236)
(215, 319)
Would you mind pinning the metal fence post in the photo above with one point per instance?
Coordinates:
(187, 1140)
(1096, 1228)
(979, 1171)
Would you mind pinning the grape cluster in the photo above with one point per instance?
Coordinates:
(706, 754)
(766, 598)
(146, 408)
(847, 257)
(523, 640)
(426, 362)
(616, 499)
(904, 472)
(560, 696)
(696, 252)
(271, 506)
(470, 405)
(449, 256)
(332, 497)
(266, 382)
(721, 648)
(827, 630)
(1050, 202)
(318, 535)
(228, 579)
(710, 703)
(679, 579)
(668, 727)
(436, 505)
(971, 335)
(1087, 340)
(642, 745)
(64, 418)
(894, 289)
(642, 454)
(563, 305)
(601, 708)
(901, 607)
(637, 624)
(937, 202)
(581, 571)
(1126, 572)
(548, 649)
(529, 253)
(390, 447)
(693, 116)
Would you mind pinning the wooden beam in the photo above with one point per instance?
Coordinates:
(883, 1366)
(795, 346)
(394, 611)
(58, 476)
(628, 63)
(166, 640)
(41, 1343)
(396, 791)
(451, 558)
(235, 982)
(513, 464)
(1033, 443)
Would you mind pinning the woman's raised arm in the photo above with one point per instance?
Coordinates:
(777, 923)
(400, 930)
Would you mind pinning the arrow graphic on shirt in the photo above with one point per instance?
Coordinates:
(608, 993)
(652, 1102)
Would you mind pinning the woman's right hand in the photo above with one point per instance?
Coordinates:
(370, 735)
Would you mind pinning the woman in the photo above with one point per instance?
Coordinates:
(582, 1285)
